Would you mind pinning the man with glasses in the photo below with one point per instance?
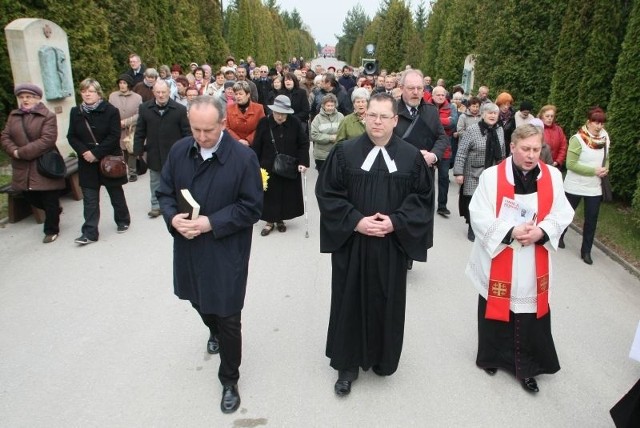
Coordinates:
(374, 194)
(419, 124)
(263, 83)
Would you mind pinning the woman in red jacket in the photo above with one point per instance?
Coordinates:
(553, 135)
(244, 115)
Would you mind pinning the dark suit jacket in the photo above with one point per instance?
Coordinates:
(156, 133)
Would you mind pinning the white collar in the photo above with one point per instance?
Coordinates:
(371, 157)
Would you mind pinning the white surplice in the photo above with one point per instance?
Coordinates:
(490, 231)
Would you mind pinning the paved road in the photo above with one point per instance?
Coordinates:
(94, 337)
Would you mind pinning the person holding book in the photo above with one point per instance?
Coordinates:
(518, 211)
(211, 249)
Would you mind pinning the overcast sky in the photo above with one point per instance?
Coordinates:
(325, 17)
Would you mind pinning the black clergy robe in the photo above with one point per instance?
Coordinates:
(368, 286)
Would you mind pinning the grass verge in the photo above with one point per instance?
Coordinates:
(616, 230)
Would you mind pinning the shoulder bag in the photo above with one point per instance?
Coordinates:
(50, 164)
(607, 191)
(284, 165)
(111, 166)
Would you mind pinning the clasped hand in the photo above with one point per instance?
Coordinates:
(527, 233)
(378, 225)
(190, 228)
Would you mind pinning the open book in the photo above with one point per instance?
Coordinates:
(188, 204)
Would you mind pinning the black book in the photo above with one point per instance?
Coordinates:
(188, 204)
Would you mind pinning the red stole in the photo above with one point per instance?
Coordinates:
(500, 275)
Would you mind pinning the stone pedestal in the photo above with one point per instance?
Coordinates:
(39, 54)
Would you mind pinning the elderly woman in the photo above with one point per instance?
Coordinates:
(353, 124)
(587, 164)
(94, 132)
(164, 72)
(281, 132)
(31, 131)
(243, 116)
(553, 135)
(507, 117)
(145, 88)
(324, 129)
(127, 102)
(482, 145)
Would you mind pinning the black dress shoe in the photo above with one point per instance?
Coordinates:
(444, 212)
(561, 243)
(491, 370)
(530, 384)
(342, 387)
(586, 257)
(213, 346)
(230, 399)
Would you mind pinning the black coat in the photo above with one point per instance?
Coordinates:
(283, 198)
(299, 102)
(105, 125)
(160, 131)
(211, 269)
(427, 133)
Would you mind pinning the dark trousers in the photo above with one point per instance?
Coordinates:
(443, 182)
(91, 199)
(591, 211)
(229, 333)
(49, 201)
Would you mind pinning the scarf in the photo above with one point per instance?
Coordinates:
(244, 107)
(89, 108)
(505, 117)
(493, 152)
(500, 275)
(593, 142)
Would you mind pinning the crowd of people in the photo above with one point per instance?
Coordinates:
(378, 142)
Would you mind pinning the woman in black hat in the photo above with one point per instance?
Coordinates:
(281, 132)
(31, 131)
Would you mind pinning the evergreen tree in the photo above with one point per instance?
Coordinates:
(421, 19)
(397, 30)
(353, 27)
(624, 116)
(599, 59)
(567, 71)
(432, 34)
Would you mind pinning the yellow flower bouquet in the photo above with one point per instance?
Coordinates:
(265, 179)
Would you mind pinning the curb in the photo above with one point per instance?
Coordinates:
(611, 254)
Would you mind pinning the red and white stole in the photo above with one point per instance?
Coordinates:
(500, 275)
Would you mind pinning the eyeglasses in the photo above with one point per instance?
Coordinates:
(263, 71)
(374, 116)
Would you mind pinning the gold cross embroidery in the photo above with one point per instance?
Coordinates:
(499, 289)
(544, 283)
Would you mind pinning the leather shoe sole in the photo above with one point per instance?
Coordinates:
(213, 345)
(342, 387)
(230, 399)
(530, 384)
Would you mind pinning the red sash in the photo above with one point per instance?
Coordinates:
(500, 276)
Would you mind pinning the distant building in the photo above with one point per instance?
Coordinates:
(328, 51)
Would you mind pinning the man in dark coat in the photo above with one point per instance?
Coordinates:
(161, 122)
(211, 252)
(375, 198)
(419, 124)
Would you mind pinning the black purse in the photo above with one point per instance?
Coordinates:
(605, 183)
(284, 165)
(50, 164)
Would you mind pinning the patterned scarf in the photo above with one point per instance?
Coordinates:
(89, 108)
(595, 143)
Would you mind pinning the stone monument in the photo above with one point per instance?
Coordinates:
(39, 53)
(468, 73)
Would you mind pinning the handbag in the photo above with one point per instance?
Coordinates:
(284, 165)
(111, 166)
(605, 183)
(128, 140)
(50, 164)
(141, 166)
